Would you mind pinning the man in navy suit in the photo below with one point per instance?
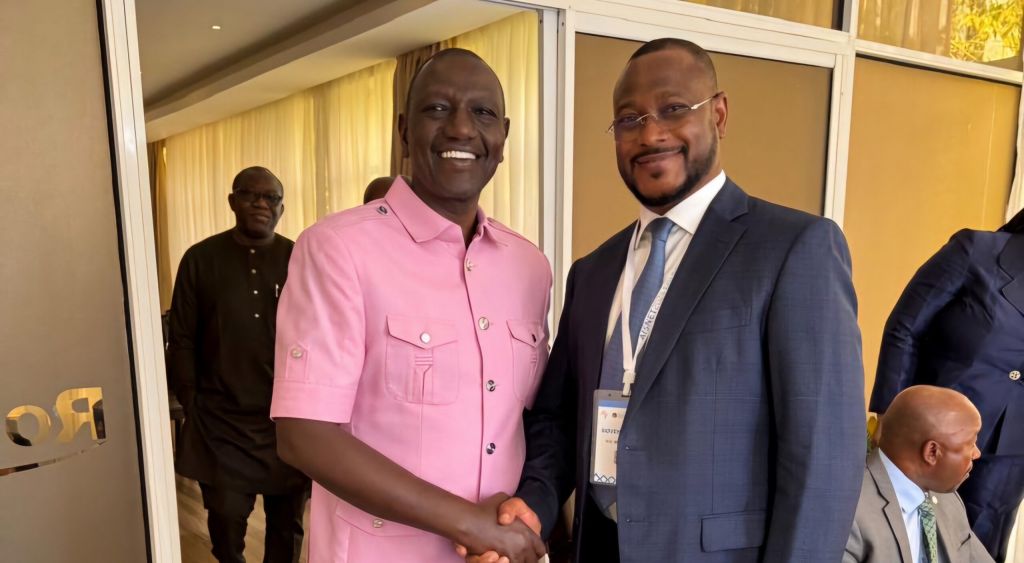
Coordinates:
(960, 324)
(740, 423)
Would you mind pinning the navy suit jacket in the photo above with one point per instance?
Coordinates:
(960, 324)
(744, 437)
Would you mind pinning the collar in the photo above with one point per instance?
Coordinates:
(909, 495)
(688, 213)
(422, 222)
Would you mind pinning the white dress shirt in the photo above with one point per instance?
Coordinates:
(910, 497)
(686, 216)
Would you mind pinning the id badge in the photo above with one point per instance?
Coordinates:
(609, 412)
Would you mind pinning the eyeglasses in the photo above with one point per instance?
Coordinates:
(669, 116)
(250, 197)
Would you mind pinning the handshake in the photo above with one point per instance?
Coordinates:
(504, 530)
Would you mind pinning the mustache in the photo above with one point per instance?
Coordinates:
(657, 151)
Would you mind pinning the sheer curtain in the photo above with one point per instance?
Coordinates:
(1016, 202)
(922, 25)
(814, 12)
(354, 135)
(510, 46)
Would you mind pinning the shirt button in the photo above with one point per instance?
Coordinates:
(469, 265)
(255, 292)
(378, 523)
(491, 385)
(490, 448)
(252, 251)
(484, 323)
(382, 210)
(296, 352)
(257, 315)
(1015, 375)
(252, 271)
(425, 338)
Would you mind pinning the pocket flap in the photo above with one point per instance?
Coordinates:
(737, 530)
(529, 332)
(371, 524)
(423, 333)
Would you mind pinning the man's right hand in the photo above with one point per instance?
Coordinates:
(489, 536)
(510, 510)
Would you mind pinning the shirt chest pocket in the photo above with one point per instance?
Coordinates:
(528, 355)
(421, 363)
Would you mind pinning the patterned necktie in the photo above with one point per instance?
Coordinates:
(646, 288)
(927, 514)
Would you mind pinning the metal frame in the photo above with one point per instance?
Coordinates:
(132, 173)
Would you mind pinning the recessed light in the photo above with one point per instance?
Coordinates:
(215, 27)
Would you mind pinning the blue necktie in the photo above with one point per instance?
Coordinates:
(646, 288)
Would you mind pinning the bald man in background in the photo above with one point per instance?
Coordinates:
(378, 187)
(909, 511)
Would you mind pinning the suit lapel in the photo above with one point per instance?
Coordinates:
(892, 510)
(715, 238)
(601, 281)
(945, 521)
(1011, 260)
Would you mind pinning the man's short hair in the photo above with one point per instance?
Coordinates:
(254, 172)
(698, 53)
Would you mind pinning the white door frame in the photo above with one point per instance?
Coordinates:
(145, 335)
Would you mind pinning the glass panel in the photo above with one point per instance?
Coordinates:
(775, 148)
(984, 31)
(821, 13)
(942, 165)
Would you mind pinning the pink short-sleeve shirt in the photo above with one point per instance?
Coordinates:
(424, 349)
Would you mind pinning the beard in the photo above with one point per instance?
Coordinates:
(695, 172)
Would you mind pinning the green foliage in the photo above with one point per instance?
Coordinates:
(986, 30)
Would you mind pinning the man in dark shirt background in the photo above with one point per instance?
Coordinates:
(220, 364)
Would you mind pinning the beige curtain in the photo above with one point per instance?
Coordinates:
(1016, 202)
(922, 25)
(158, 188)
(511, 48)
(814, 12)
(354, 132)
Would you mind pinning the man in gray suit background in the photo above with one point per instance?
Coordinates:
(736, 434)
(909, 511)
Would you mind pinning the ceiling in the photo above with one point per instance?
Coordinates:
(178, 46)
(269, 49)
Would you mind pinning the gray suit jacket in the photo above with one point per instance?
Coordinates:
(879, 535)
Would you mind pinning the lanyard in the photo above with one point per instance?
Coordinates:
(629, 355)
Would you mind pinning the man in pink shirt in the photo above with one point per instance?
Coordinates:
(411, 336)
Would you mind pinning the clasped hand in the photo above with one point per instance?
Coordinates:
(505, 530)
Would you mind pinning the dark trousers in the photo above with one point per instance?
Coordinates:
(599, 535)
(228, 517)
(992, 494)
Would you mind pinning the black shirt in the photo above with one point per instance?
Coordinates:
(221, 363)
